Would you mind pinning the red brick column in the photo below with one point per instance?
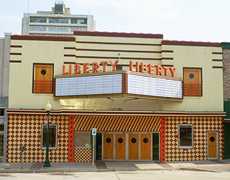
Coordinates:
(162, 140)
(71, 139)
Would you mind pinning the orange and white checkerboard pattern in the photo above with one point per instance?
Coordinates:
(82, 154)
(26, 129)
(201, 125)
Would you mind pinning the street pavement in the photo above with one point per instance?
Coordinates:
(120, 175)
(110, 166)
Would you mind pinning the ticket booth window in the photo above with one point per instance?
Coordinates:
(185, 133)
(43, 78)
(82, 139)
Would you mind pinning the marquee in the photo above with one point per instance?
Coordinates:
(115, 83)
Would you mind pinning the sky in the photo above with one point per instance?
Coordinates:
(191, 20)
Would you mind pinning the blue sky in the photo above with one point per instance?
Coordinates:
(198, 20)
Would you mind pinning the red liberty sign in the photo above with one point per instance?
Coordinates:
(105, 66)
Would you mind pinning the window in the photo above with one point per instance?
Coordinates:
(108, 140)
(59, 9)
(78, 21)
(58, 20)
(78, 28)
(2, 112)
(120, 140)
(192, 82)
(82, 139)
(52, 135)
(1, 127)
(59, 29)
(145, 140)
(37, 28)
(119, 67)
(133, 140)
(43, 78)
(185, 133)
(38, 19)
(1, 140)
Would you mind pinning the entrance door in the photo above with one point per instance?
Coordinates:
(155, 145)
(120, 146)
(98, 146)
(1, 140)
(145, 146)
(212, 145)
(133, 147)
(108, 147)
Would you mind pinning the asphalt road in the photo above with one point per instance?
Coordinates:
(121, 175)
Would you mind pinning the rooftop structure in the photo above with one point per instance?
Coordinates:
(57, 21)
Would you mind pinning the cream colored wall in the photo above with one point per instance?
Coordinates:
(197, 56)
(21, 74)
(20, 93)
(118, 39)
(135, 45)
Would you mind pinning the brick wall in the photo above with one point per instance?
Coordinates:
(226, 57)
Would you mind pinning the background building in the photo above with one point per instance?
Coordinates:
(57, 21)
(226, 60)
(4, 79)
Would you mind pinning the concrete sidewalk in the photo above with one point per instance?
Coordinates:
(38, 167)
(101, 166)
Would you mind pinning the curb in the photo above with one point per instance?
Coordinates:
(195, 169)
(96, 170)
(46, 170)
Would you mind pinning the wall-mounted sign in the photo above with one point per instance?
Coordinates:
(153, 86)
(117, 84)
(94, 131)
(89, 85)
(105, 66)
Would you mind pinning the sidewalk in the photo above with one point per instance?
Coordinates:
(101, 166)
(38, 168)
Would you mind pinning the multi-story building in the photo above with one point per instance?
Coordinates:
(226, 60)
(148, 98)
(57, 21)
(4, 79)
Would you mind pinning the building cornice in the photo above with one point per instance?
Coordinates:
(136, 113)
(191, 43)
(118, 34)
(42, 38)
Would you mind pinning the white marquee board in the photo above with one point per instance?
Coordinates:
(151, 86)
(89, 85)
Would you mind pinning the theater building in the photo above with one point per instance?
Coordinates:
(148, 98)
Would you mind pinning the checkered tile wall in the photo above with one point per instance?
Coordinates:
(201, 125)
(82, 154)
(26, 130)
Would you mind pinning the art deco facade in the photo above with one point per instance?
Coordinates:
(148, 98)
